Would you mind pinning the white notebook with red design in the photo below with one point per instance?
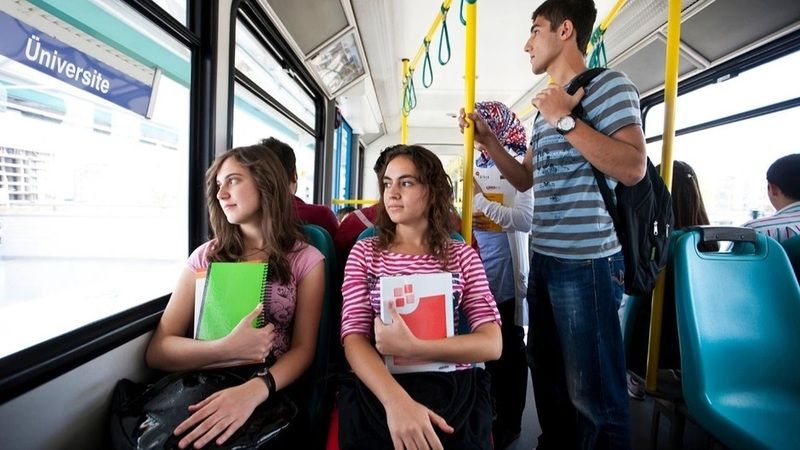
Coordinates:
(425, 302)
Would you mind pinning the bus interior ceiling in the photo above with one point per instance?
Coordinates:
(713, 31)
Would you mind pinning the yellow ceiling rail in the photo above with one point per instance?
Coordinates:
(429, 37)
(408, 68)
(670, 97)
(608, 19)
(469, 106)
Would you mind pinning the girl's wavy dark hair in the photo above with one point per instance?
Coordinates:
(439, 189)
(279, 227)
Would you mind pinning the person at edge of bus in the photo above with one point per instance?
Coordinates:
(783, 190)
(307, 213)
(361, 219)
(420, 410)
(575, 349)
(502, 232)
(251, 216)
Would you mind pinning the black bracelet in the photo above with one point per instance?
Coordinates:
(270, 383)
(265, 375)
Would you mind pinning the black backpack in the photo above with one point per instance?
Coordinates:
(643, 217)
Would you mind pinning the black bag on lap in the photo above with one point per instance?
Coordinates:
(144, 417)
(461, 397)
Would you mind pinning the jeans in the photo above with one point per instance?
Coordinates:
(575, 352)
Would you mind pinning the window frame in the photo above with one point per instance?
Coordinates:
(261, 26)
(776, 49)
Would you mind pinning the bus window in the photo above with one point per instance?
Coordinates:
(94, 196)
(175, 8)
(254, 120)
(343, 148)
(259, 65)
(731, 160)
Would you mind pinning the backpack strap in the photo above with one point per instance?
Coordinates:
(578, 82)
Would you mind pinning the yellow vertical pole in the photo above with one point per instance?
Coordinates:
(469, 106)
(670, 96)
(403, 114)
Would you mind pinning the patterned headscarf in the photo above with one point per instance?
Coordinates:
(505, 125)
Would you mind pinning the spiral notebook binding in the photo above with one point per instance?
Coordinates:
(262, 318)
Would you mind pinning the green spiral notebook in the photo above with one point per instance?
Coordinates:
(228, 293)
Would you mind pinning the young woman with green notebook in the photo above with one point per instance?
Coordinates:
(251, 216)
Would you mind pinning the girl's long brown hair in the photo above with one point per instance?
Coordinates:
(279, 227)
(440, 196)
(687, 201)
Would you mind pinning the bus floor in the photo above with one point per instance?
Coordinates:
(641, 420)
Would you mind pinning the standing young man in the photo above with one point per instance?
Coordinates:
(574, 345)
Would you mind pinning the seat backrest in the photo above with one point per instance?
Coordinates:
(370, 232)
(315, 383)
(792, 247)
(738, 320)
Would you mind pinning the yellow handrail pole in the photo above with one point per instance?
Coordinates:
(429, 37)
(342, 201)
(403, 114)
(469, 106)
(670, 96)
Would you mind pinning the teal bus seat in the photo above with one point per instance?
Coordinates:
(739, 328)
(792, 247)
(315, 386)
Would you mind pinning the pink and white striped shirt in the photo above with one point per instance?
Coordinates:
(366, 265)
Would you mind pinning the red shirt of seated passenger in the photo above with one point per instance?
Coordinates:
(317, 215)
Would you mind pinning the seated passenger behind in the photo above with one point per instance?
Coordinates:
(783, 190)
(415, 410)
(250, 214)
(343, 212)
(307, 213)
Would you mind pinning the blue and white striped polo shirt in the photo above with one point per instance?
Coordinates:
(783, 225)
(569, 217)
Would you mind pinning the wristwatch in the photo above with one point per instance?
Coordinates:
(264, 374)
(565, 124)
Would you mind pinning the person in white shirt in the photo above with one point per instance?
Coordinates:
(783, 189)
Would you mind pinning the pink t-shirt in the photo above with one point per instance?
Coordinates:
(366, 265)
(282, 297)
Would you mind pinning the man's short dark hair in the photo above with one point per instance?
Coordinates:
(379, 163)
(285, 155)
(785, 174)
(581, 13)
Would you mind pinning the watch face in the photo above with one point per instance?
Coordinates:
(565, 124)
